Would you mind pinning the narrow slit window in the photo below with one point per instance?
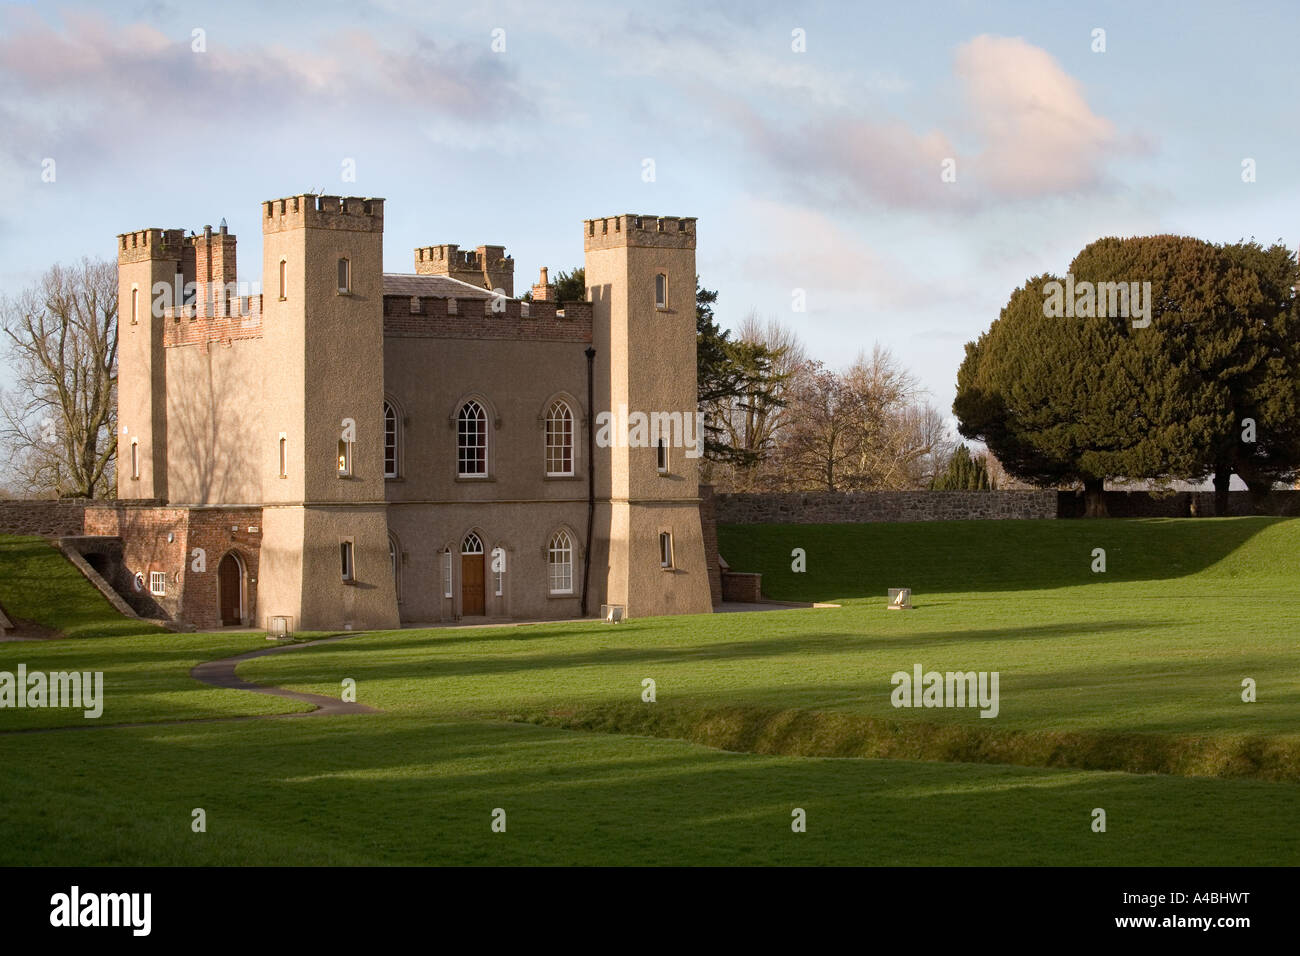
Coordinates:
(135, 306)
(661, 456)
(661, 291)
(284, 280)
(446, 573)
(345, 560)
(665, 549)
(284, 457)
(135, 458)
(345, 458)
(345, 275)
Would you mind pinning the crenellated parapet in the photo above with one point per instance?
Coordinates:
(351, 213)
(629, 229)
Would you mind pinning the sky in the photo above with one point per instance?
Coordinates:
(810, 139)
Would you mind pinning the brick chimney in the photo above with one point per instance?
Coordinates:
(214, 269)
(543, 292)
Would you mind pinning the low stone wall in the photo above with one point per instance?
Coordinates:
(52, 519)
(853, 507)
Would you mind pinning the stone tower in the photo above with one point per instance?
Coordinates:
(641, 280)
(325, 533)
(148, 266)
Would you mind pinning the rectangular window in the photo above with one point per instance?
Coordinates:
(446, 574)
(345, 458)
(499, 578)
(665, 549)
(135, 306)
(284, 457)
(661, 457)
(345, 560)
(661, 291)
(157, 582)
(135, 459)
(284, 280)
(345, 275)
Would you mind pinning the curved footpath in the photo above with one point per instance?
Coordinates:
(221, 673)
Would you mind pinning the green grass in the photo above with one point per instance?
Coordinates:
(407, 790)
(1137, 669)
(38, 584)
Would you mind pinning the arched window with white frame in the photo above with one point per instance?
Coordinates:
(390, 440)
(472, 441)
(559, 439)
(559, 563)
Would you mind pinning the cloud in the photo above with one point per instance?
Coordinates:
(1025, 131)
(1040, 136)
(89, 87)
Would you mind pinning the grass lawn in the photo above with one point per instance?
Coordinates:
(1139, 668)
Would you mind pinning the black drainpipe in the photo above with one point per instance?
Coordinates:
(591, 474)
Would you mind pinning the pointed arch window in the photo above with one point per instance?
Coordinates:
(559, 439)
(559, 563)
(390, 440)
(471, 441)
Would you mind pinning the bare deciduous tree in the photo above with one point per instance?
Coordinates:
(58, 422)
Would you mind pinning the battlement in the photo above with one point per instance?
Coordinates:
(221, 320)
(487, 267)
(630, 229)
(437, 317)
(146, 244)
(348, 213)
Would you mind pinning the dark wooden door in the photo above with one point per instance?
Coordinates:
(471, 584)
(228, 591)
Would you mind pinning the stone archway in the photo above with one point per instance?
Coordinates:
(231, 590)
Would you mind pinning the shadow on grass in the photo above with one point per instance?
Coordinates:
(847, 561)
(392, 790)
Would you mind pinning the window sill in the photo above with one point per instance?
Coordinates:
(561, 597)
(471, 479)
(563, 478)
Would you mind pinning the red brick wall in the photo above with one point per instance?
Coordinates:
(217, 531)
(191, 595)
(193, 326)
(742, 586)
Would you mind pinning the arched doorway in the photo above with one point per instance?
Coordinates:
(230, 590)
(471, 575)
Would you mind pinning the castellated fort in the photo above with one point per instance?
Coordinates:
(360, 449)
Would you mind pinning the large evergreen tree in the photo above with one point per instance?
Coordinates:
(1086, 398)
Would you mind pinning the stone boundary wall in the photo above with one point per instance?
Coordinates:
(854, 507)
(51, 519)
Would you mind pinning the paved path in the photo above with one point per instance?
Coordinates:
(221, 673)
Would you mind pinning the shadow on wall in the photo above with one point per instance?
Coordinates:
(209, 429)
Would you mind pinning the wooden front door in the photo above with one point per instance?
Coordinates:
(229, 591)
(471, 584)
